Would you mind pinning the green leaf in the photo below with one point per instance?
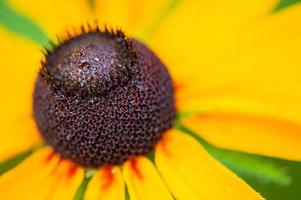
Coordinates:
(80, 192)
(285, 3)
(14, 161)
(20, 24)
(261, 168)
(278, 192)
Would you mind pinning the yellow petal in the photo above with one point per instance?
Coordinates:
(235, 56)
(143, 181)
(129, 15)
(65, 181)
(55, 16)
(253, 134)
(107, 184)
(19, 65)
(199, 32)
(28, 174)
(191, 173)
(41, 176)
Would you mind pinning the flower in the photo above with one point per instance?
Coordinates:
(227, 61)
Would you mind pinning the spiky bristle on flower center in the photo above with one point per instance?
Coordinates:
(101, 98)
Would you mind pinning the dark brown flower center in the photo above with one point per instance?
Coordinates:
(101, 98)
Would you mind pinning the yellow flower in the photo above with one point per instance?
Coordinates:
(235, 67)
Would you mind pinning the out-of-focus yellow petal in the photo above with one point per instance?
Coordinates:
(199, 32)
(107, 184)
(192, 174)
(235, 56)
(143, 181)
(55, 16)
(42, 176)
(253, 134)
(130, 15)
(19, 65)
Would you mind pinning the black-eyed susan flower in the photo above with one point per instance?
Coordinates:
(102, 117)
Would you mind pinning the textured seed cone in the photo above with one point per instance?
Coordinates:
(101, 98)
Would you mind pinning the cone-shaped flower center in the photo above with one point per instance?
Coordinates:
(101, 98)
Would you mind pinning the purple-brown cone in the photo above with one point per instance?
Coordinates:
(101, 98)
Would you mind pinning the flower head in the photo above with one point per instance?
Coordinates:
(101, 98)
(104, 117)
